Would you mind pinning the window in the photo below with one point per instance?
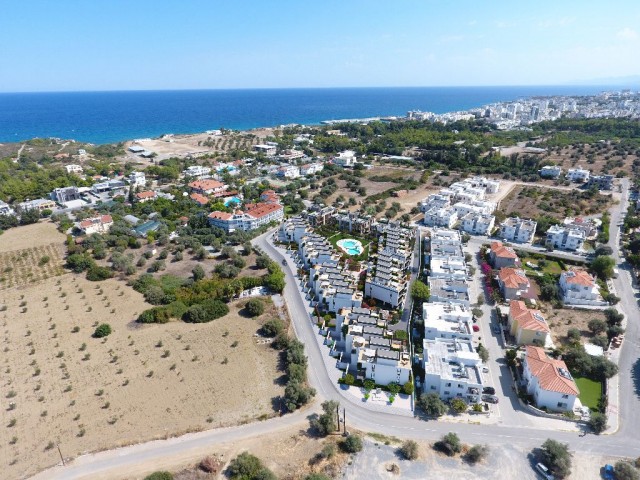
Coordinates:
(565, 396)
(448, 384)
(460, 385)
(446, 392)
(433, 387)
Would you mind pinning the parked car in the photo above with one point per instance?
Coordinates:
(496, 329)
(490, 398)
(476, 328)
(485, 369)
(544, 471)
(489, 390)
(608, 473)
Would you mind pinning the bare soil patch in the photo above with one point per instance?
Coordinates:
(532, 202)
(563, 319)
(140, 383)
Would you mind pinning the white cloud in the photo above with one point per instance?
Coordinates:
(627, 34)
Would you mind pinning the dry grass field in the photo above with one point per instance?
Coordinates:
(30, 254)
(532, 202)
(599, 159)
(61, 386)
(564, 319)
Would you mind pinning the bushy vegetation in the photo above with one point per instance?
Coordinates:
(352, 444)
(432, 405)
(327, 422)
(449, 444)
(296, 393)
(249, 467)
(102, 330)
(557, 457)
(409, 450)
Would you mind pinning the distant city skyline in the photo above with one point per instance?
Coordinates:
(198, 44)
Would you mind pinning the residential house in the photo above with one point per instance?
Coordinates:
(294, 229)
(513, 283)
(100, 224)
(199, 199)
(440, 217)
(65, 194)
(601, 182)
(5, 209)
(137, 179)
(528, 326)
(578, 287)
(146, 196)
(269, 196)
(550, 171)
(518, 230)
(37, 204)
(548, 380)
(501, 256)
(288, 171)
(266, 150)
(197, 171)
(565, 238)
(578, 175)
(73, 168)
(589, 226)
(321, 216)
(345, 159)
(452, 369)
(208, 186)
(311, 168)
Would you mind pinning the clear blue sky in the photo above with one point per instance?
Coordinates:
(49, 45)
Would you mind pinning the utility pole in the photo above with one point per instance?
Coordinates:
(338, 416)
(344, 420)
(60, 452)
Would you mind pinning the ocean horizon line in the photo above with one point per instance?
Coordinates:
(258, 89)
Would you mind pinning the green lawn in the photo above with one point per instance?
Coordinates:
(590, 392)
(551, 266)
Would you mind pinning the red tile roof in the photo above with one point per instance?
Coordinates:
(500, 250)
(259, 210)
(579, 277)
(553, 375)
(144, 195)
(91, 221)
(220, 215)
(527, 318)
(513, 277)
(207, 184)
(200, 199)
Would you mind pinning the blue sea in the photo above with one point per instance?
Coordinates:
(106, 117)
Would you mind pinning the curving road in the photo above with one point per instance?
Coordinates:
(626, 442)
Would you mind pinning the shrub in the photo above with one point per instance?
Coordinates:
(254, 307)
(273, 327)
(598, 422)
(159, 476)
(432, 405)
(458, 405)
(625, 471)
(206, 311)
(348, 379)
(449, 444)
(558, 457)
(246, 466)
(352, 444)
(409, 450)
(327, 422)
(154, 315)
(408, 387)
(476, 453)
(297, 394)
(97, 273)
(316, 476)
(102, 330)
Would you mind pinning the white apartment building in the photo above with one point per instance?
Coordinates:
(450, 268)
(452, 369)
(475, 206)
(345, 159)
(288, 171)
(518, 230)
(447, 320)
(73, 168)
(478, 223)
(197, 171)
(311, 168)
(294, 230)
(578, 175)
(435, 200)
(253, 216)
(440, 217)
(578, 287)
(267, 150)
(565, 238)
(137, 179)
(449, 291)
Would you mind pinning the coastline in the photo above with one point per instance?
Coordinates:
(112, 117)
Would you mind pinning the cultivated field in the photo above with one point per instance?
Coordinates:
(62, 387)
(30, 254)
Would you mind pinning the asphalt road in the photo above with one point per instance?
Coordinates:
(626, 442)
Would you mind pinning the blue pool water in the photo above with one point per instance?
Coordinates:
(351, 246)
(229, 200)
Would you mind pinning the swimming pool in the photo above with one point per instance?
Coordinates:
(229, 200)
(350, 246)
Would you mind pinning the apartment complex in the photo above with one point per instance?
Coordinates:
(518, 230)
